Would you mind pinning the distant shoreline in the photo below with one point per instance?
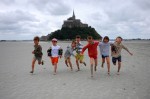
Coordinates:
(70, 40)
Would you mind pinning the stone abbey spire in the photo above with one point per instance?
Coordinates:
(73, 16)
(72, 22)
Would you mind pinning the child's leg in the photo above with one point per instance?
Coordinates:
(40, 61)
(66, 62)
(91, 63)
(95, 60)
(55, 68)
(103, 61)
(119, 67)
(119, 64)
(108, 64)
(81, 60)
(114, 60)
(33, 63)
(69, 61)
(77, 63)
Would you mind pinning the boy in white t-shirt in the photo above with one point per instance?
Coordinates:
(54, 52)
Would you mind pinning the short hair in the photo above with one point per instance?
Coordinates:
(89, 37)
(120, 37)
(78, 36)
(106, 38)
(36, 38)
(73, 41)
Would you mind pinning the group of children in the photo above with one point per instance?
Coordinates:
(55, 52)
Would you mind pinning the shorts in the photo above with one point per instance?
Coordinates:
(104, 56)
(114, 59)
(66, 58)
(92, 56)
(54, 60)
(79, 57)
(39, 59)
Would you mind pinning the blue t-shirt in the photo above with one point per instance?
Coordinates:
(105, 48)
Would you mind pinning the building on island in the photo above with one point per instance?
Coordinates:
(73, 22)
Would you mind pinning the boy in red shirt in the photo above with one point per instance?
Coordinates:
(92, 52)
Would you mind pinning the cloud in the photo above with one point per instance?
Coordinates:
(53, 7)
(23, 19)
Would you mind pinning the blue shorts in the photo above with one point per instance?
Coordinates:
(115, 59)
(104, 56)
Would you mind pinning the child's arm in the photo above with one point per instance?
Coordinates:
(60, 52)
(127, 50)
(84, 48)
(71, 51)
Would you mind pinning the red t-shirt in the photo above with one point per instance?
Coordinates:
(92, 49)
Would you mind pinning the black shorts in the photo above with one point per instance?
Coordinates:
(104, 56)
(115, 59)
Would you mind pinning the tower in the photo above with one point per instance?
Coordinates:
(73, 16)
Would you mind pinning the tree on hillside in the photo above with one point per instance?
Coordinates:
(70, 33)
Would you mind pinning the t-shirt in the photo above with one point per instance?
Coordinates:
(118, 48)
(38, 51)
(55, 50)
(105, 48)
(79, 47)
(92, 48)
(69, 52)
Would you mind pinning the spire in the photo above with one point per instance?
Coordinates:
(74, 17)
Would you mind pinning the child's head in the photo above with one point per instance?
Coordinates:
(106, 39)
(73, 44)
(90, 39)
(119, 39)
(78, 38)
(36, 40)
(54, 41)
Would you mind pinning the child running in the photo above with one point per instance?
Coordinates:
(104, 49)
(68, 54)
(37, 53)
(79, 47)
(54, 52)
(92, 51)
(116, 52)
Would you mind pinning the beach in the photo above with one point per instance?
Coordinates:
(17, 83)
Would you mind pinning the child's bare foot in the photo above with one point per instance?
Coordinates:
(54, 73)
(77, 70)
(31, 72)
(71, 69)
(109, 73)
(118, 73)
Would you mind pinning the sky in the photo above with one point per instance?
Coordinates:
(24, 19)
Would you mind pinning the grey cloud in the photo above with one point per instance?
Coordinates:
(7, 2)
(143, 4)
(53, 7)
(13, 21)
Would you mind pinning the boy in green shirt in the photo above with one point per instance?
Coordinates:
(37, 53)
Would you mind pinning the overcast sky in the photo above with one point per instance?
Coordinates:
(24, 19)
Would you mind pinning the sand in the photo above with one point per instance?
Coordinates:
(17, 83)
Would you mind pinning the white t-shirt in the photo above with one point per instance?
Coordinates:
(55, 50)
